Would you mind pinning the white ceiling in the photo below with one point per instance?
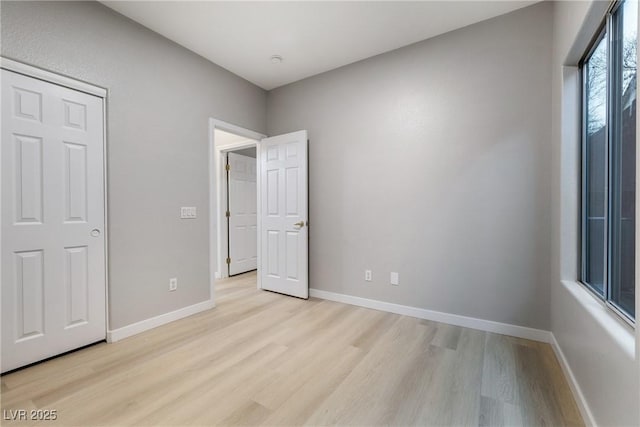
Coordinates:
(311, 36)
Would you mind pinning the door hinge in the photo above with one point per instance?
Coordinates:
(228, 214)
(228, 260)
(227, 167)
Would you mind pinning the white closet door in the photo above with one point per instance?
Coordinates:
(284, 255)
(243, 232)
(53, 249)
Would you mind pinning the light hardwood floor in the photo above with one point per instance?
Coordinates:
(264, 358)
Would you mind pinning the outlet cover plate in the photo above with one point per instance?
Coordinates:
(395, 278)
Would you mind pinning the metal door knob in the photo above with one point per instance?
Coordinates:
(299, 224)
(95, 232)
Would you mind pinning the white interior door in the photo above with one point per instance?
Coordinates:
(243, 219)
(284, 255)
(53, 252)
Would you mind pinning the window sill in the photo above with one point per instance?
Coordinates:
(622, 332)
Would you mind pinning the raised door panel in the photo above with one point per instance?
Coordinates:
(77, 286)
(293, 254)
(273, 254)
(28, 179)
(273, 192)
(75, 115)
(27, 104)
(75, 188)
(292, 195)
(29, 295)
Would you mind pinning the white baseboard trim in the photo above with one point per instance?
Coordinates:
(437, 316)
(585, 411)
(154, 322)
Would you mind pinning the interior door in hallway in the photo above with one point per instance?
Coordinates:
(243, 232)
(53, 244)
(284, 252)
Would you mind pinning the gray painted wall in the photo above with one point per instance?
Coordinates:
(160, 99)
(596, 344)
(433, 161)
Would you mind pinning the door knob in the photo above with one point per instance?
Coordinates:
(299, 224)
(95, 232)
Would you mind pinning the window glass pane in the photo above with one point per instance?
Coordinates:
(623, 156)
(594, 164)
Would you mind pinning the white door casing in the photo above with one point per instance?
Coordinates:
(53, 242)
(242, 196)
(284, 214)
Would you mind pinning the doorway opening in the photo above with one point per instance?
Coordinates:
(278, 201)
(234, 218)
(241, 209)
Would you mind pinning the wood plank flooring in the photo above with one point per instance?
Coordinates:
(261, 358)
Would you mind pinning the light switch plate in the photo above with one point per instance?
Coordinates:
(188, 212)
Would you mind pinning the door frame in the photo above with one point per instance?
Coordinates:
(91, 89)
(218, 195)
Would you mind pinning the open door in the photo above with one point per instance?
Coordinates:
(284, 250)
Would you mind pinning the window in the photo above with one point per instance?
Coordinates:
(608, 161)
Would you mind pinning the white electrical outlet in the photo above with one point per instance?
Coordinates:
(173, 284)
(367, 275)
(395, 279)
(188, 212)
